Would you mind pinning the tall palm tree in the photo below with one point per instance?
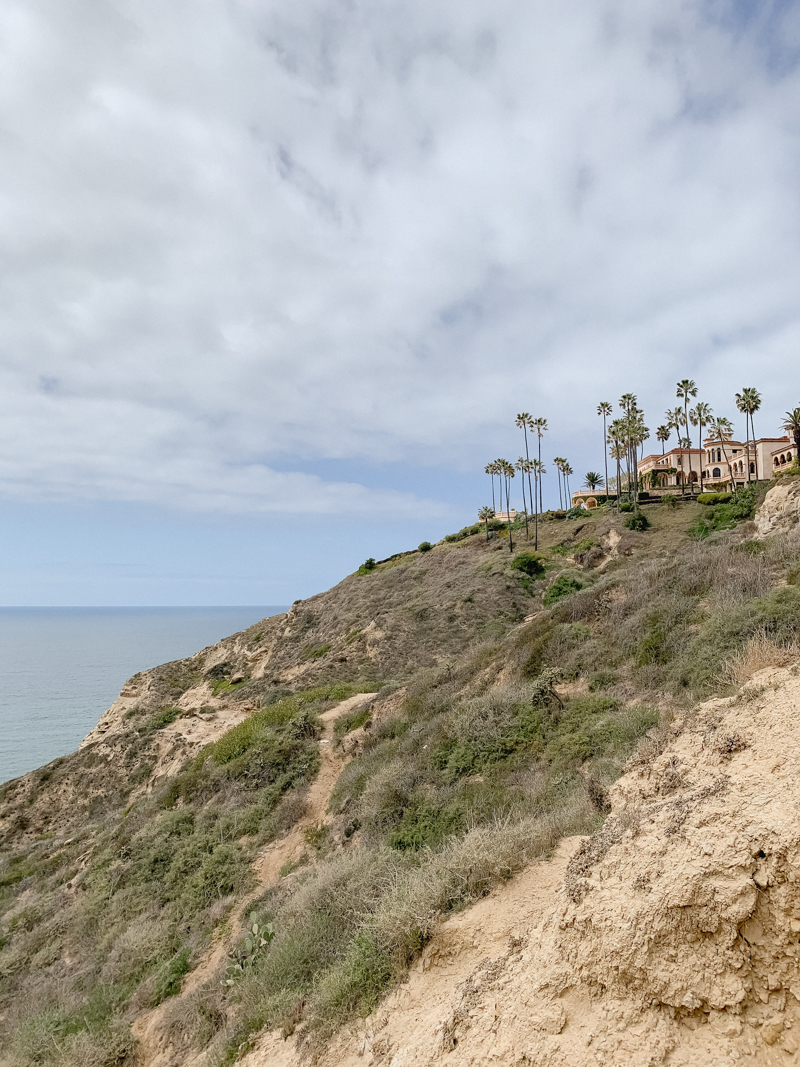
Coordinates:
(507, 471)
(491, 468)
(748, 402)
(791, 424)
(567, 471)
(540, 425)
(591, 480)
(559, 465)
(662, 433)
(628, 403)
(686, 391)
(605, 409)
(522, 466)
(700, 415)
(674, 420)
(525, 421)
(617, 452)
(754, 403)
(639, 433)
(722, 431)
(484, 515)
(538, 470)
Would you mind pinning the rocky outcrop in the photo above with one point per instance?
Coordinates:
(780, 511)
(672, 936)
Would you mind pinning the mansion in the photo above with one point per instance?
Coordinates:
(684, 466)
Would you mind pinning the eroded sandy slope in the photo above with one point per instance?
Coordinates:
(673, 936)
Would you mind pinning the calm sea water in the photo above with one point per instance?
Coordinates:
(60, 668)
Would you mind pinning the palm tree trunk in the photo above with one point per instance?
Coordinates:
(605, 455)
(730, 471)
(541, 505)
(531, 497)
(619, 475)
(494, 506)
(755, 449)
(508, 513)
(560, 497)
(747, 449)
(536, 512)
(524, 504)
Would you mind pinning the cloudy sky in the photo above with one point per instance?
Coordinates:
(278, 274)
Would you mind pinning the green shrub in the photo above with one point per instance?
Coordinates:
(424, 546)
(312, 652)
(469, 531)
(529, 563)
(367, 566)
(668, 500)
(352, 720)
(563, 586)
(163, 718)
(740, 507)
(714, 498)
(637, 522)
(603, 680)
(626, 506)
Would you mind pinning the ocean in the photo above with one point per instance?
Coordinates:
(60, 668)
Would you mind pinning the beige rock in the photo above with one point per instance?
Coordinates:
(780, 511)
(600, 971)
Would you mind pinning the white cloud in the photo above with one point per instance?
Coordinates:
(248, 233)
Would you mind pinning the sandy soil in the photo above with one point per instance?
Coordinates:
(153, 1050)
(670, 937)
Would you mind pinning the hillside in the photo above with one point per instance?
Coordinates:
(348, 774)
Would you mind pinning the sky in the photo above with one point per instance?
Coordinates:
(278, 276)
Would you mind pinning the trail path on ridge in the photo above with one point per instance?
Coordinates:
(154, 1049)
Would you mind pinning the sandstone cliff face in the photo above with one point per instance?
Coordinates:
(672, 936)
(780, 511)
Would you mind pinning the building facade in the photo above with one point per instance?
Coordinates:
(714, 468)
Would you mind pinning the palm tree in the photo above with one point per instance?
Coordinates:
(748, 402)
(662, 433)
(617, 452)
(701, 415)
(507, 471)
(491, 468)
(722, 431)
(686, 391)
(605, 409)
(525, 421)
(559, 465)
(538, 470)
(791, 424)
(484, 515)
(567, 471)
(540, 425)
(591, 480)
(674, 420)
(521, 466)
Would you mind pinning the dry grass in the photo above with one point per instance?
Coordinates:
(760, 651)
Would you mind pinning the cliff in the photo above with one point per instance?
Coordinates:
(470, 802)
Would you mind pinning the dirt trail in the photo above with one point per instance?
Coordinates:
(672, 936)
(153, 1050)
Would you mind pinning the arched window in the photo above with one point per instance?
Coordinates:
(752, 468)
(783, 460)
(777, 462)
(715, 473)
(719, 455)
